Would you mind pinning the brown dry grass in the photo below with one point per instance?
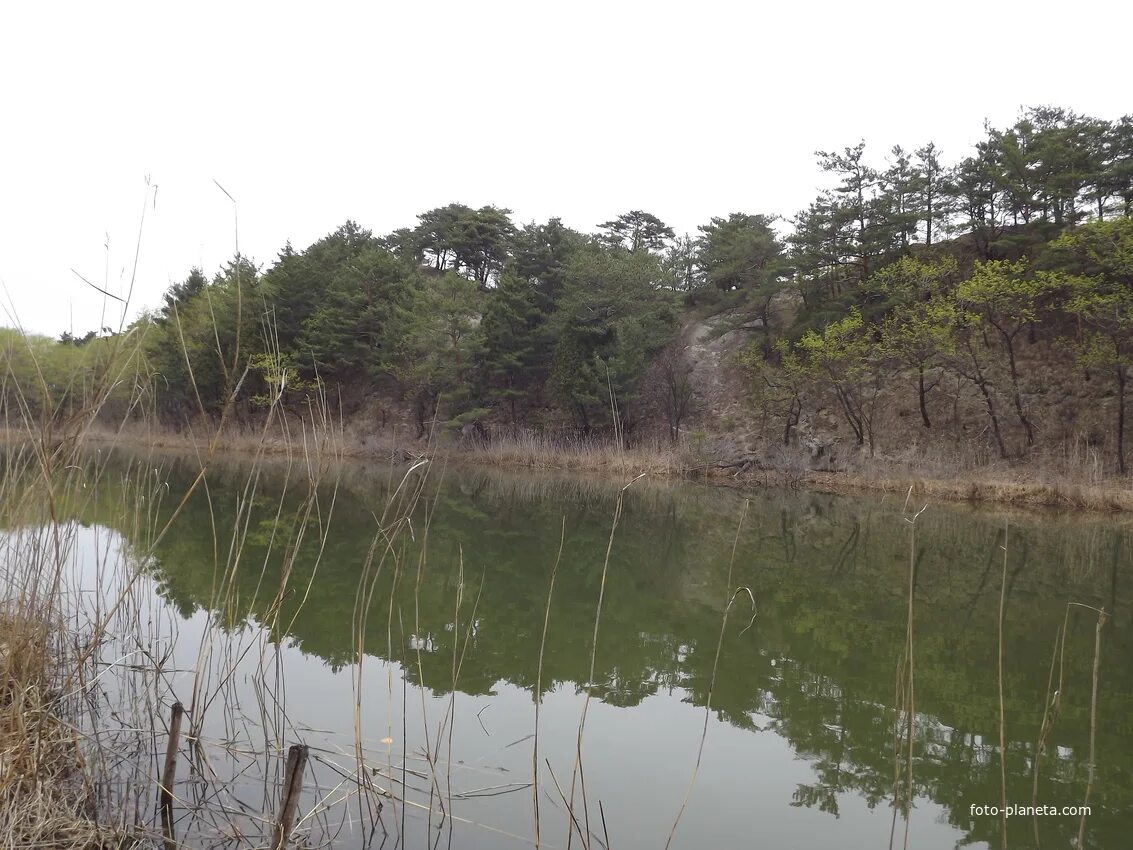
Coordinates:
(530, 450)
(45, 798)
(1067, 494)
(1066, 482)
(537, 451)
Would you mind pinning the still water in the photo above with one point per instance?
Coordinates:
(756, 633)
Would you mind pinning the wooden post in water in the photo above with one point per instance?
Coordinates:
(292, 788)
(169, 774)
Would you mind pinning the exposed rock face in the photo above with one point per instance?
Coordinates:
(719, 393)
(739, 433)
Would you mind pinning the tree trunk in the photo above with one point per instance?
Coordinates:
(1016, 396)
(793, 413)
(1122, 378)
(853, 417)
(982, 383)
(928, 223)
(994, 419)
(922, 392)
(583, 418)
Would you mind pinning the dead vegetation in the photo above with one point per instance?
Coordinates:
(46, 796)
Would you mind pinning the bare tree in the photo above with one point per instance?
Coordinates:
(673, 386)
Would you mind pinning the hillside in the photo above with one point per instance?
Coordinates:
(918, 319)
(1071, 408)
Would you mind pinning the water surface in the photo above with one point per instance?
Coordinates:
(431, 644)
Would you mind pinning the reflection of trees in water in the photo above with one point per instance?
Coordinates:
(829, 578)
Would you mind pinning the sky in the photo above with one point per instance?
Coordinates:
(118, 121)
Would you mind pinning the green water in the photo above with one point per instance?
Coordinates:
(799, 740)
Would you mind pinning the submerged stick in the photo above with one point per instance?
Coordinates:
(1093, 725)
(539, 689)
(1050, 717)
(292, 788)
(1002, 713)
(165, 792)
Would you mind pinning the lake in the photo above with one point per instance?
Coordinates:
(748, 658)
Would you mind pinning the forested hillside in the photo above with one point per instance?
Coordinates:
(987, 299)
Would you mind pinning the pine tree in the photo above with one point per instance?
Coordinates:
(514, 334)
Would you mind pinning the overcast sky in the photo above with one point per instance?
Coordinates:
(316, 113)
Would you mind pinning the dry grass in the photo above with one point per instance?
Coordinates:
(276, 437)
(1064, 482)
(49, 787)
(46, 800)
(533, 450)
(974, 487)
(1066, 477)
(527, 450)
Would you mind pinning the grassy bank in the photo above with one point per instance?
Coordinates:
(1019, 492)
(1061, 483)
(1033, 485)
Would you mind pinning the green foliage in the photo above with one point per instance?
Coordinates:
(198, 353)
(542, 253)
(1101, 249)
(299, 282)
(46, 383)
(681, 261)
(617, 308)
(898, 199)
(1099, 257)
(1003, 293)
(575, 380)
(461, 238)
(920, 333)
(514, 333)
(857, 214)
(1007, 300)
(912, 279)
(742, 254)
(436, 232)
(778, 385)
(844, 356)
(935, 194)
(277, 378)
(604, 286)
(346, 336)
(469, 316)
(439, 342)
(636, 231)
(481, 240)
(180, 294)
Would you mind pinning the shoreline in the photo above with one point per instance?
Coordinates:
(991, 486)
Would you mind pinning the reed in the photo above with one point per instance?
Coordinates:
(83, 631)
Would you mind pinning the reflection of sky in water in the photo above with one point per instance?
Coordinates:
(638, 760)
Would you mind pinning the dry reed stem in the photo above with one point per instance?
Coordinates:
(731, 598)
(1093, 725)
(539, 685)
(1002, 712)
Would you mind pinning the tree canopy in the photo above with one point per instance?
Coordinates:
(905, 270)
